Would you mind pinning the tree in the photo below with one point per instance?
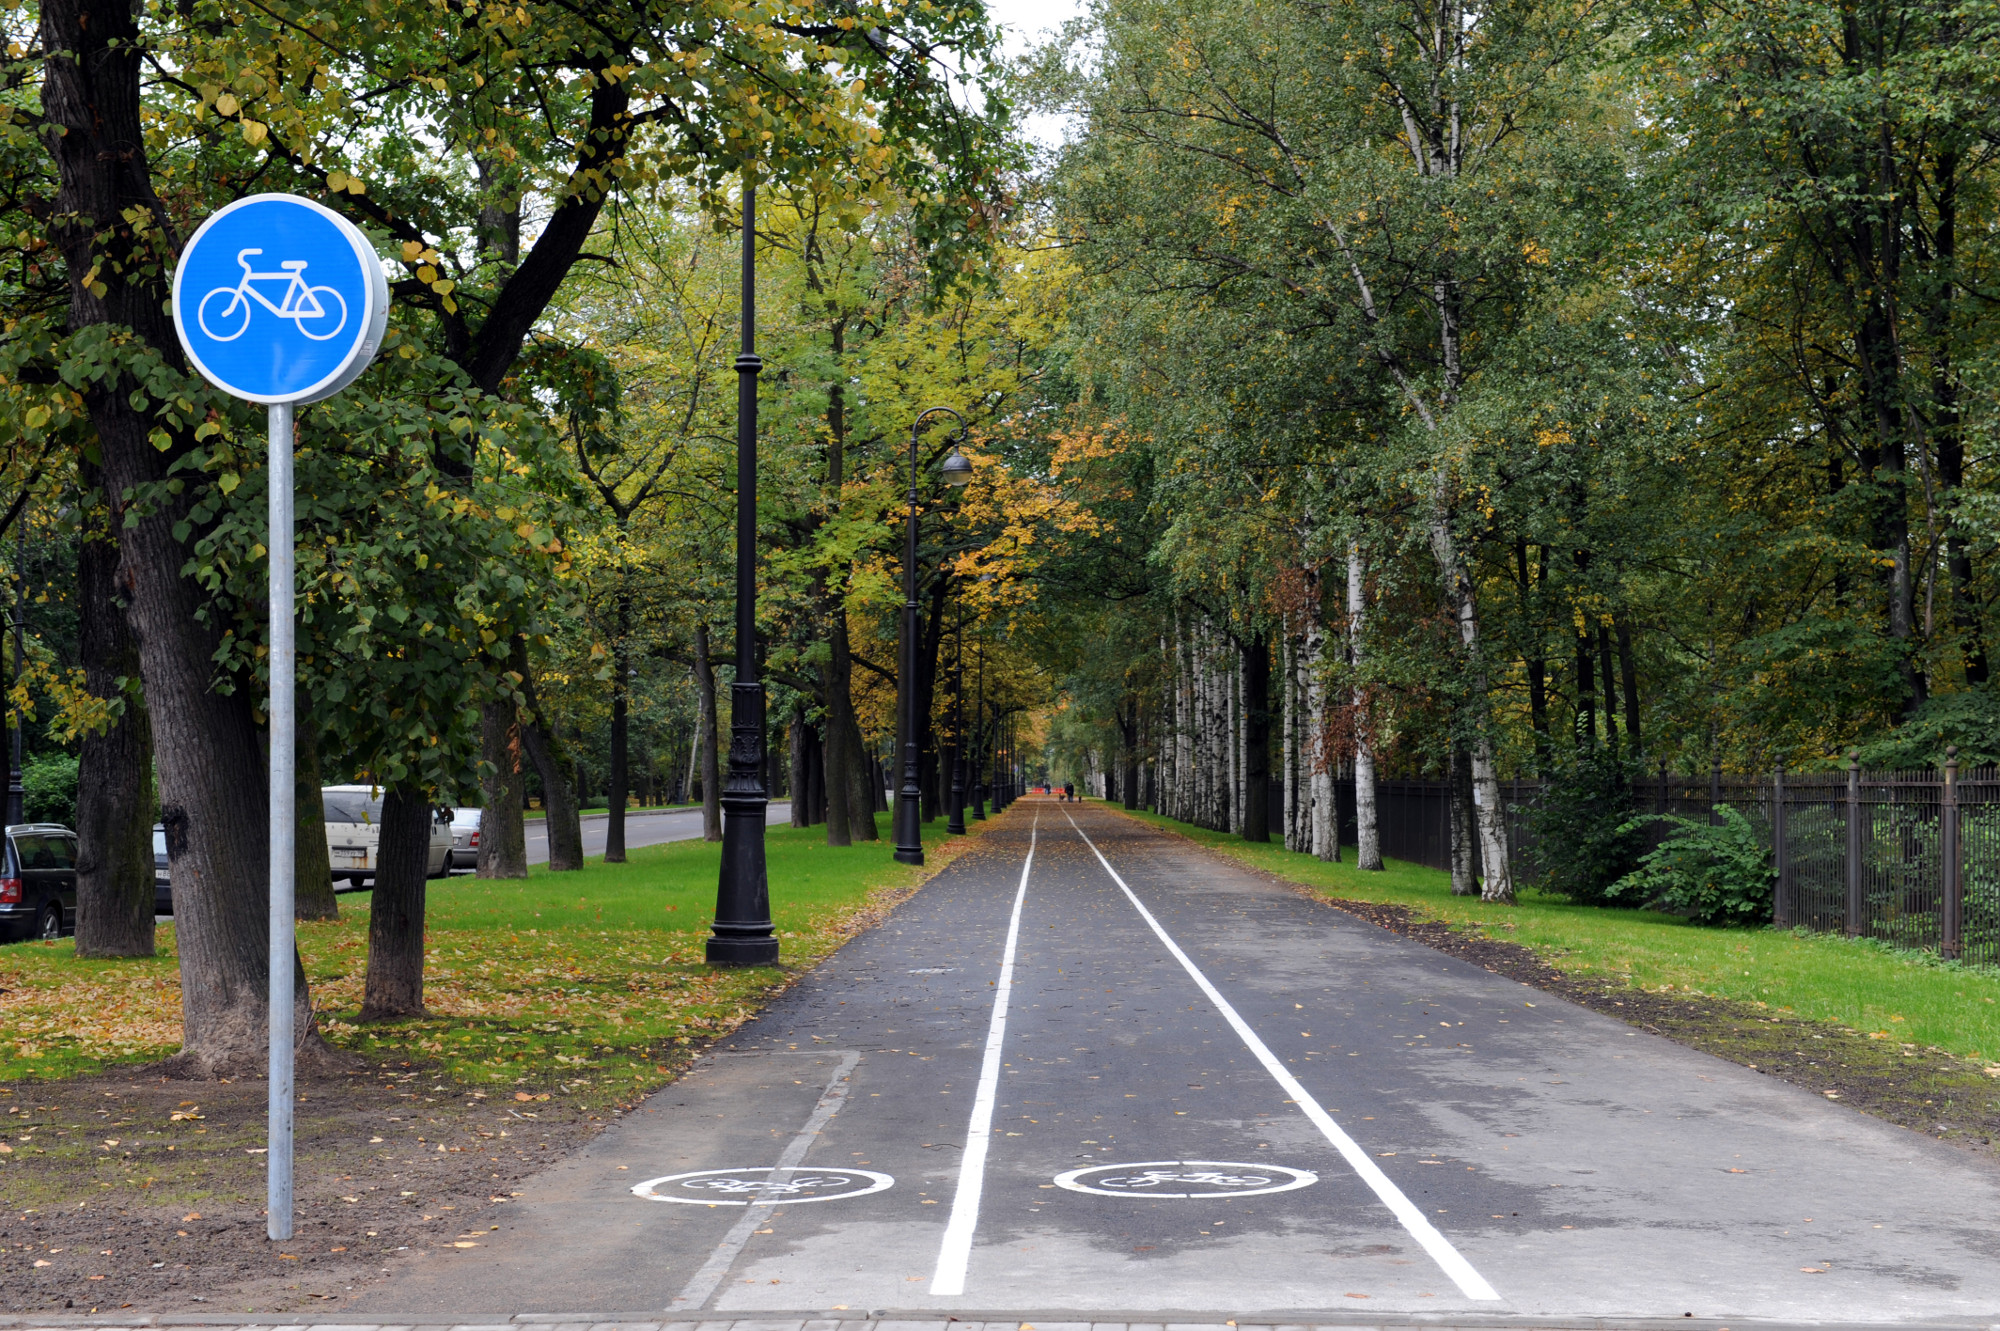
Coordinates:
(536, 101)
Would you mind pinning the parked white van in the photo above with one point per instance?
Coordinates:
(353, 817)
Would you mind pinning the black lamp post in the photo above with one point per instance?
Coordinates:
(743, 934)
(955, 825)
(909, 819)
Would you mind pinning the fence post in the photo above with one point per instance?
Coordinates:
(1950, 926)
(1781, 852)
(1714, 791)
(1852, 923)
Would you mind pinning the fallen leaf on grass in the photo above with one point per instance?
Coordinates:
(43, 1261)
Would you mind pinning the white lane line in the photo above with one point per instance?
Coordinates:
(1470, 1282)
(956, 1252)
(713, 1271)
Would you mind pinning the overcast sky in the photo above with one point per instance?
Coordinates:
(1026, 20)
(1025, 23)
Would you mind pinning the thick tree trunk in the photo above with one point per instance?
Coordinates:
(503, 834)
(838, 805)
(395, 981)
(861, 797)
(812, 793)
(711, 768)
(114, 796)
(1367, 825)
(208, 749)
(795, 737)
(619, 779)
(546, 751)
(312, 866)
(1256, 739)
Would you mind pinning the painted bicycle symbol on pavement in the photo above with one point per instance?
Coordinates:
(319, 312)
(761, 1185)
(1185, 1179)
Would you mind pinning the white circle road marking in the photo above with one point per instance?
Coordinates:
(757, 1185)
(1215, 1178)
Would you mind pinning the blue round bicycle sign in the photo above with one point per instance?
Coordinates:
(278, 299)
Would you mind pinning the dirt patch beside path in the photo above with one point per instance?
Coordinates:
(142, 1193)
(1926, 1090)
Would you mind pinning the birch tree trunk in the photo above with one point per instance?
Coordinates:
(1324, 837)
(1499, 880)
(1367, 829)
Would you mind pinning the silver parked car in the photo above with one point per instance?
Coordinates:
(353, 817)
(465, 838)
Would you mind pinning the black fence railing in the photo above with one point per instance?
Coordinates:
(1910, 858)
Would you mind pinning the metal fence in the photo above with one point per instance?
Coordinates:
(1910, 858)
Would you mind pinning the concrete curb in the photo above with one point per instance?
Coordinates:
(985, 1320)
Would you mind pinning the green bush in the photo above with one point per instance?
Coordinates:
(48, 786)
(1714, 873)
(1585, 839)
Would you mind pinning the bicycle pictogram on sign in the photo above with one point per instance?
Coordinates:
(319, 312)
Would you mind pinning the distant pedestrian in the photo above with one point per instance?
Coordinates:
(1069, 791)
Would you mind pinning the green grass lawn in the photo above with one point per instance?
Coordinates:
(1856, 985)
(553, 980)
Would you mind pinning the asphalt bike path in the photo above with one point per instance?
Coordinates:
(1093, 1068)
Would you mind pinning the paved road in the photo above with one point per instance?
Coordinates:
(641, 829)
(1180, 1040)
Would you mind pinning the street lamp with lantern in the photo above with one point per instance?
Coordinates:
(909, 818)
(743, 933)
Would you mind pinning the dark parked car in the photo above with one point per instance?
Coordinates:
(38, 882)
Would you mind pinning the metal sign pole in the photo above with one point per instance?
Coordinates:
(325, 297)
(284, 824)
